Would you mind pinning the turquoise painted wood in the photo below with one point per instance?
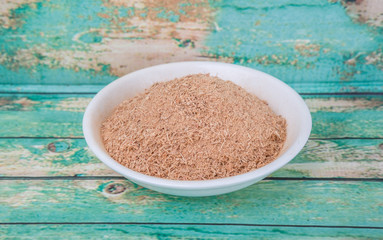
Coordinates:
(318, 43)
(301, 87)
(349, 158)
(60, 115)
(282, 202)
(55, 55)
(169, 231)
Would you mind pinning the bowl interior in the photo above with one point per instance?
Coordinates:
(281, 98)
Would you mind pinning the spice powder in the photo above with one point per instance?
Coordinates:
(197, 127)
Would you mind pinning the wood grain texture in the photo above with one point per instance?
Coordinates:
(292, 203)
(295, 42)
(76, 47)
(300, 87)
(96, 41)
(60, 115)
(169, 231)
(349, 158)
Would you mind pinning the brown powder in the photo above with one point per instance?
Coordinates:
(196, 127)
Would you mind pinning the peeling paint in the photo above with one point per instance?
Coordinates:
(375, 58)
(335, 169)
(307, 50)
(366, 11)
(23, 198)
(310, 42)
(343, 105)
(16, 155)
(72, 104)
(40, 55)
(20, 104)
(7, 16)
(69, 104)
(123, 40)
(117, 37)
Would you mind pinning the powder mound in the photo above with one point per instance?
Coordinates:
(196, 127)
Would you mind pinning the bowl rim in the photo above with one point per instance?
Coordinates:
(219, 183)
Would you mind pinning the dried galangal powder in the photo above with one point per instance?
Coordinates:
(196, 127)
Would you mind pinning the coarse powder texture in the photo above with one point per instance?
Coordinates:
(196, 127)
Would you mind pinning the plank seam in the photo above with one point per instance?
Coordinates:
(80, 137)
(4, 178)
(301, 93)
(196, 224)
(344, 94)
(48, 93)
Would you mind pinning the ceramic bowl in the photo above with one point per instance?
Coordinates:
(282, 99)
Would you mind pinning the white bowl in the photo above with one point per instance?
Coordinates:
(282, 99)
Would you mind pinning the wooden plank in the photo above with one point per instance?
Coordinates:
(289, 39)
(60, 115)
(49, 157)
(169, 231)
(114, 38)
(300, 87)
(42, 115)
(50, 89)
(268, 202)
(347, 158)
(346, 116)
(294, 42)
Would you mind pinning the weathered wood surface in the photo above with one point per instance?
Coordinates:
(310, 88)
(345, 158)
(187, 231)
(68, 50)
(299, 202)
(60, 115)
(326, 45)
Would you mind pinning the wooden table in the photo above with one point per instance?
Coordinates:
(55, 55)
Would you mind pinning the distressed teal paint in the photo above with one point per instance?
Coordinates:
(358, 150)
(126, 11)
(182, 12)
(184, 4)
(268, 202)
(43, 74)
(43, 120)
(69, 76)
(321, 87)
(169, 15)
(91, 37)
(58, 20)
(278, 202)
(192, 231)
(52, 25)
(82, 156)
(358, 154)
(258, 34)
(265, 35)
